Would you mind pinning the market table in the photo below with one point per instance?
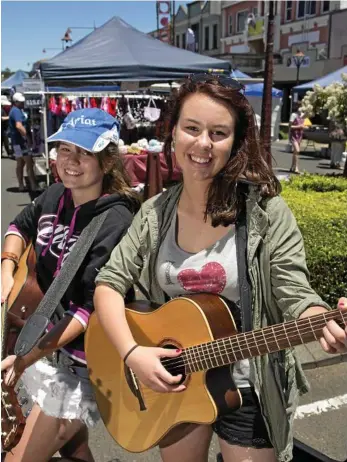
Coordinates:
(136, 166)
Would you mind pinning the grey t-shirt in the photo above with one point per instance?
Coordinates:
(212, 270)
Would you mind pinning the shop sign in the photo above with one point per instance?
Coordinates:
(305, 61)
(164, 18)
(32, 85)
(33, 101)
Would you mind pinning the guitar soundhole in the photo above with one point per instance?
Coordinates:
(174, 365)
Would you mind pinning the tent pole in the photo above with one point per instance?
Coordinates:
(44, 115)
(44, 107)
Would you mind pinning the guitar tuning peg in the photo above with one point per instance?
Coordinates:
(3, 434)
(4, 394)
(12, 418)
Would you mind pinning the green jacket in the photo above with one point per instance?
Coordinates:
(280, 291)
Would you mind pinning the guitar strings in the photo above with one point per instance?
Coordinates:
(224, 349)
(178, 362)
(287, 329)
(195, 356)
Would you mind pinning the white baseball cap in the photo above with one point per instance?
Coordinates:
(5, 101)
(18, 98)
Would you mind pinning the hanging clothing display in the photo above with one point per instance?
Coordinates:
(119, 105)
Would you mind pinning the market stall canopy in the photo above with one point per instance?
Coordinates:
(15, 79)
(117, 51)
(323, 81)
(84, 89)
(256, 88)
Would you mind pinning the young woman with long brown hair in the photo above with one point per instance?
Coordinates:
(183, 242)
(93, 180)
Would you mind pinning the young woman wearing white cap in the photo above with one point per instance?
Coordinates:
(22, 153)
(93, 180)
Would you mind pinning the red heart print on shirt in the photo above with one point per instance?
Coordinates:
(211, 279)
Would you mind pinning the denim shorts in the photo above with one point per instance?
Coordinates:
(21, 151)
(245, 426)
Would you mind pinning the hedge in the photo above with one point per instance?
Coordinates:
(319, 205)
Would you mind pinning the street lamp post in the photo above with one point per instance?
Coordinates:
(298, 59)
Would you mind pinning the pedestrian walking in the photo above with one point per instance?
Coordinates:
(5, 106)
(20, 143)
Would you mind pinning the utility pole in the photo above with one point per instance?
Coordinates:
(173, 19)
(266, 110)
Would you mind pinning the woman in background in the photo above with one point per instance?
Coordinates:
(296, 133)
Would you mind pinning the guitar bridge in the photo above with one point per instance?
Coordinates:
(134, 387)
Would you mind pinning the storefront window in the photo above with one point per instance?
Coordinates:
(207, 38)
(215, 36)
(306, 8)
(289, 9)
(241, 21)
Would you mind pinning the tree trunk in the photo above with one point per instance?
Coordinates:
(266, 110)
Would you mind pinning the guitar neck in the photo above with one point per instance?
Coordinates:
(258, 342)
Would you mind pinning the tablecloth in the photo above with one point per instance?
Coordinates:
(136, 168)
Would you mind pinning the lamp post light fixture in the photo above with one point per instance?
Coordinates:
(298, 59)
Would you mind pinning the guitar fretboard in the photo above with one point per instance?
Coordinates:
(256, 343)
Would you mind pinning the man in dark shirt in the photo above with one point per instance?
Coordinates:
(5, 105)
(22, 153)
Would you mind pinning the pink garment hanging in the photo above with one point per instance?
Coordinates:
(113, 107)
(73, 105)
(63, 105)
(105, 104)
(52, 105)
(86, 103)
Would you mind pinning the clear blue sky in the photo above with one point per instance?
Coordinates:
(28, 26)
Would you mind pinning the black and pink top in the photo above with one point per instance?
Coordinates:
(54, 224)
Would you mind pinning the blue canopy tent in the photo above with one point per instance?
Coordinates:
(87, 88)
(254, 93)
(118, 52)
(15, 80)
(322, 81)
(254, 89)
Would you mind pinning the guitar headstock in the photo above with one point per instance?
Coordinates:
(12, 418)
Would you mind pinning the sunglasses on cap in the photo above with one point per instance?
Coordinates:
(223, 80)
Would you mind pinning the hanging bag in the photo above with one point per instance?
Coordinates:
(129, 120)
(152, 113)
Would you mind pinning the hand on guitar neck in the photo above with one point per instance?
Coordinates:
(334, 338)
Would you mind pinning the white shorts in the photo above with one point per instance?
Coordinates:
(60, 392)
(19, 151)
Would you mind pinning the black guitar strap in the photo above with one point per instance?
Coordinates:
(244, 283)
(37, 323)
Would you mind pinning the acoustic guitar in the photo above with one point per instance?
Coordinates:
(203, 327)
(22, 302)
